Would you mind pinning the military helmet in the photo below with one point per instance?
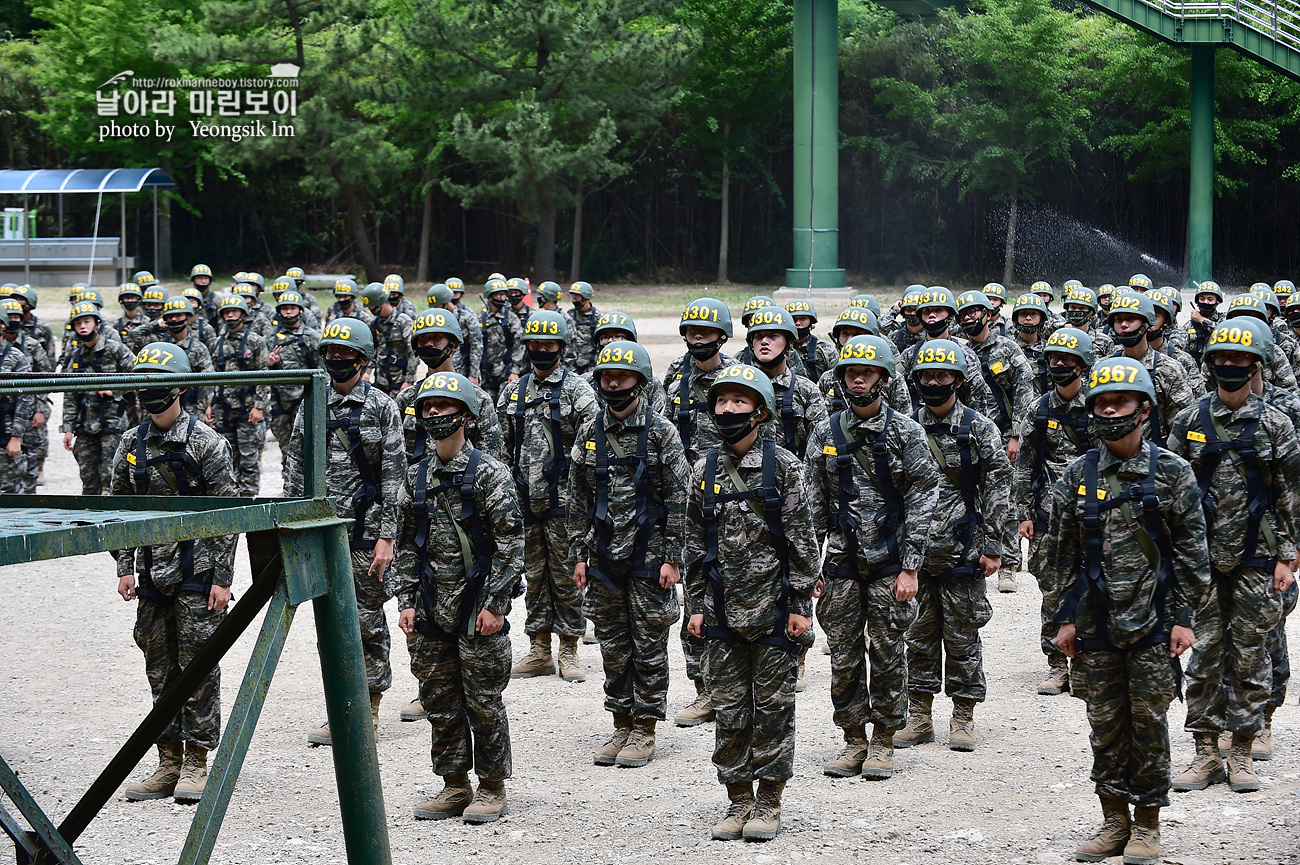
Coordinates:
(129, 289)
(450, 385)
(161, 357)
(801, 307)
(1244, 333)
(1044, 287)
(247, 289)
(10, 306)
(515, 283)
(772, 318)
(283, 283)
(1210, 287)
(289, 297)
(1081, 294)
(1162, 302)
(1247, 304)
(345, 285)
(456, 284)
(200, 270)
(615, 321)
(1120, 375)
(995, 289)
(1256, 286)
(496, 275)
(622, 354)
(546, 324)
(395, 284)
(255, 278)
(939, 354)
(1069, 284)
(233, 301)
(867, 350)
(911, 296)
(296, 274)
(937, 297)
(239, 276)
(1132, 303)
(976, 299)
(706, 312)
(26, 294)
(1104, 290)
(95, 296)
(868, 301)
(180, 303)
(757, 302)
(582, 289)
(194, 293)
(350, 333)
(438, 295)
(549, 291)
(1269, 298)
(746, 376)
(374, 296)
(1283, 287)
(493, 286)
(83, 308)
(437, 320)
(859, 317)
(1139, 281)
(1071, 340)
(1029, 303)
(1173, 295)
(143, 278)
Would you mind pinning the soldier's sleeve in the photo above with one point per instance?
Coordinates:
(492, 440)
(570, 348)
(818, 481)
(995, 490)
(473, 332)
(392, 468)
(585, 407)
(692, 573)
(581, 494)
(1178, 427)
(1061, 552)
(141, 334)
(25, 404)
(1286, 473)
(1178, 391)
(293, 467)
(219, 473)
(503, 416)
(674, 477)
(204, 365)
(1188, 540)
(981, 397)
(815, 409)
(518, 364)
(42, 362)
(1022, 470)
(410, 361)
(408, 580)
(69, 410)
(259, 360)
(920, 495)
(805, 553)
(121, 485)
(1284, 368)
(507, 524)
(1023, 394)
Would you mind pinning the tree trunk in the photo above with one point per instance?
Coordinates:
(544, 260)
(426, 228)
(164, 237)
(575, 258)
(725, 239)
(1009, 267)
(358, 223)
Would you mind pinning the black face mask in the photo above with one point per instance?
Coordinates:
(1233, 378)
(434, 357)
(935, 395)
(342, 369)
(803, 332)
(516, 299)
(496, 302)
(618, 400)
(1028, 330)
(13, 325)
(1292, 317)
(971, 327)
(936, 328)
(912, 319)
(1078, 317)
(733, 427)
(1209, 310)
(157, 400)
(177, 326)
(766, 364)
(1063, 376)
(234, 326)
(130, 305)
(441, 426)
(543, 359)
(1112, 429)
(1129, 340)
(344, 302)
(290, 320)
(153, 313)
(705, 350)
(1155, 334)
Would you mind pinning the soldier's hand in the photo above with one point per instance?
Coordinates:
(383, 555)
(1180, 640)
(67, 441)
(990, 564)
(274, 357)
(207, 415)
(796, 625)
(669, 574)
(1013, 448)
(1282, 577)
(405, 385)
(106, 394)
(905, 585)
(1197, 317)
(580, 576)
(819, 588)
(514, 376)
(218, 598)
(255, 415)
(488, 622)
(14, 446)
(1065, 639)
(696, 625)
(473, 379)
(38, 420)
(1027, 529)
(126, 587)
(406, 621)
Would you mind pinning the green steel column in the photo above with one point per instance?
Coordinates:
(1200, 205)
(816, 146)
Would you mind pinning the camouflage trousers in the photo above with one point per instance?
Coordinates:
(1277, 649)
(170, 635)
(376, 642)
(632, 627)
(1230, 677)
(94, 453)
(1128, 696)
(752, 688)
(13, 472)
(246, 441)
(1047, 633)
(36, 447)
(693, 650)
(281, 424)
(460, 688)
(949, 616)
(553, 600)
(848, 610)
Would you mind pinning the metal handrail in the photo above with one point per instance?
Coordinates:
(1278, 20)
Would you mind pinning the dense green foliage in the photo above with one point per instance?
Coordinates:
(495, 129)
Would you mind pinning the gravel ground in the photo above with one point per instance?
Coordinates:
(73, 688)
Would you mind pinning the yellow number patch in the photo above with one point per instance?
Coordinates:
(1232, 335)
(1194, 436)
(1083, 491)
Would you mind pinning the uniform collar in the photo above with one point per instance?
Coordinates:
(456, 463)
(1252, 408)
(952, 419)
(871, 424)
(1136, 466)
(637, 419)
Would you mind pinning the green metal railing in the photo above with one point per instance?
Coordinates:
(298, 550)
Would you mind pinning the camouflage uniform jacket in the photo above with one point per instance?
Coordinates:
(1010, 379)
(1033, 352)
(90, 413)
(468, 359)
(484, 431)
(502, 338)
(802, 401)
(1228, 505)
(14, 359)
(406, 308)
(1188, 362)
(903, 339)
(1061, 445)
(214, 555)
(703, 435)
(915, 478)
(580, 353)
(1174, 391)
(667, 471)
(42, 333)
(528, 439)
(1284, 401)
(793, 361)
(144, 332)
(241, 351)
(818, 356)
(749, 567)
(381, 440)
(70, 343)
(677, 364)
(1128, 572)
(195, 398)
(498, 516)
(896, 395)
(297, 351)
(40, 362)
(259, 318)
(127, 323)
(394, 362)
(356, 310)
(654, 392)
(973, 391)
(210, 306)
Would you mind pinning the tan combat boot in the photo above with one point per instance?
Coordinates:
(414, 711)
(1058, 677)
(374, 712)
(732, 825)
(589, 635)
(1241, 774)
(765, 822)
(1143, 847)
(961, 729)
(489, 803)
(320, 736)
(570, 669)
(1225, 742)
(607, 753)
(1206, 768)
(538, 661)
(1263, 747)
(640, 747)
(801, 683)
(451, 802)
(162, 782)
(1007, 580)
(700, 711)
(879, 764)
(194, 774)
(1110, 839)
(920, 728)
(849, 763)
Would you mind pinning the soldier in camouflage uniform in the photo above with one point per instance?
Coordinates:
(614, 326)
(183, 588)
(627, 519)
(1117, 512)
(468, 358)
(938, 310)
(872, 487)
(800, 406)
(199, 324)
(706, 327)
(1053, 433)
(1277, 368)
(177, 327)
(36, 432)
(365, 465)
(129, 296)
(460, 559)
(201, 277)
(259, 314)
(1160, 336)
(104, 329)
(293, 346)
(503, 340)
(238, 411)
(546, 295)
(1131, 316)
(541, 414)
(1081, 310)
(1029, 320)
(309, 303)
(347, 302)
(395, 363)
(580, 355)
(16, 412)
(309, 319)
(967, 539)
(515, 293)
(751, 564)
(153, 299)
(1048, 294)
(32, 324)
(1249, 499)
(996, 292)
(396, 288)
(860, 321)
(818, 355)
(95, 419)
(910, 330)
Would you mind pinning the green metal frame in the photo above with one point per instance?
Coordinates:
(298, 550)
